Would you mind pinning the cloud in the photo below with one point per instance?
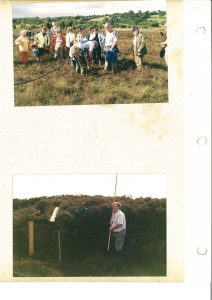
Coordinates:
(84, 8)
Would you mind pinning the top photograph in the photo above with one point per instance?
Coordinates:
(83, 53)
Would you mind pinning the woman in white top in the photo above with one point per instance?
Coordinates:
(70, 38)
(111, 50)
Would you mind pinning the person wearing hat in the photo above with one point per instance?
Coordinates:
(70, 38)
(118, 226)
(24, 46)
(111, 49)
(42, 41)
(78, 52)
(139, 47)
(59, 44)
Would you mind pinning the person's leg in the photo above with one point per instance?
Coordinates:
(26, 57)
(107, 58)
(99, 55)
(119, 241)
(114, 59)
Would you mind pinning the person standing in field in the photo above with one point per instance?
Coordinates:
(42, 41)
(111, 49)
(99, 38)
(59, 45)
(78, 52)
(80, 37)
(70, 38)
(118, 226)
(139, 47)
(24, 46)
(54, 29)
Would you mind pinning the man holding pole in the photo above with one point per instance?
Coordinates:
(118, 226)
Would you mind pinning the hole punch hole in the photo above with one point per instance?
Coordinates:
(202, 141)
(202, 251)
(200, 31)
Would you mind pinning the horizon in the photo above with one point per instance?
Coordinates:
(53, 10)
(134, 185)
(85, 195)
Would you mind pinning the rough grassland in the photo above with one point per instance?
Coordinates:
(64, 87)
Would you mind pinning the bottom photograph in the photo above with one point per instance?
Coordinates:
(89, 225)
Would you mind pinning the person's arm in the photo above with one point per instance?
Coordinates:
(119, 222)
(67, 40)
(17, 41)
(115, 40)
(36, 40)
(114, 226)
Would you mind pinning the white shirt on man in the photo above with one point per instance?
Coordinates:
(110, 39)
(118, 218)
(89, 45)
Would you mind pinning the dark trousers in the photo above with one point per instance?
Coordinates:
(97, 54)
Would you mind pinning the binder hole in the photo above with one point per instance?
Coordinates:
(202, 251)
(201, 31)
(202, 141)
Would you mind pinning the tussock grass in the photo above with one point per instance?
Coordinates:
(64, 87)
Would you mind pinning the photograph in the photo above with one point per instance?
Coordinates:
(89, 225)
(81, 53)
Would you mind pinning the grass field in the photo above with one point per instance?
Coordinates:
(64, 87)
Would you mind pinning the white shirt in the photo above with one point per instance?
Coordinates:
(119, 218)
(135, 41)
(86, 46)
(70, 37)
(110, 38)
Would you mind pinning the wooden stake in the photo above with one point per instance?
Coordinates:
(59, 247)
(31, 237)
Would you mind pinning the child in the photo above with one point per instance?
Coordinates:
(59, 43)
(24, 46)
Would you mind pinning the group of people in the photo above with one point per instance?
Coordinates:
(83, 50)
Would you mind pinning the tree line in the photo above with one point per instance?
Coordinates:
(119, 20)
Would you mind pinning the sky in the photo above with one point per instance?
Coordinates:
(134, 185)
(84, 8)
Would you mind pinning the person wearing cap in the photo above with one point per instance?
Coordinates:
(118, 226)
(59, 44)
(111, 49)
(70, 38)
(139, 47)
(24, 46)
(42, 41)
(78, 52)
(99, 38)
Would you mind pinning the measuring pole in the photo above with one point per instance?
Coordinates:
(114, 199)
(31, 237)
(59, 247)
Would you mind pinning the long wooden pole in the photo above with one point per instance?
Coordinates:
(31, 237)
(114, 199)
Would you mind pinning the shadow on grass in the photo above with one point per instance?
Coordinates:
(156, 66)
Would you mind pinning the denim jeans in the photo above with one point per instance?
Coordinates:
(111, 56)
